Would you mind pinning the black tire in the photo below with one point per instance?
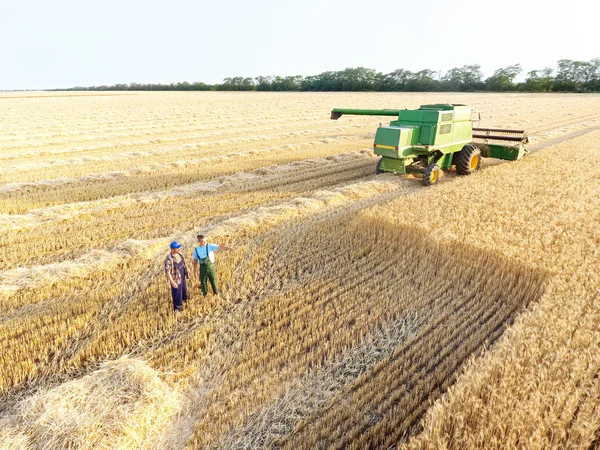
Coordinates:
(378, 167)
(431, 174)
(468, 160)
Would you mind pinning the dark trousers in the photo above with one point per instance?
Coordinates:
(179, 295)
(208, 272)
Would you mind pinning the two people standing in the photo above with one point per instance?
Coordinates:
(203, 256)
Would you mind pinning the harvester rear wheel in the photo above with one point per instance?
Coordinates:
(431, 174)
(468, 160)
(378, 167)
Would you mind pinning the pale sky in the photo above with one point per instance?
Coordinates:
(48, 44)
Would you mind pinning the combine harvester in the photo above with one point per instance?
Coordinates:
(435, 137)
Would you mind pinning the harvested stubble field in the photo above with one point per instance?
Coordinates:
(359, 311)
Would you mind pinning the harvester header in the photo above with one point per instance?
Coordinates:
(436, 137)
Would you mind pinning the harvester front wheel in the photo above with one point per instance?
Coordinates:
(378, 167)
(431, 174)
(468, 160)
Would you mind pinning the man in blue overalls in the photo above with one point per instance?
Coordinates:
(204, 255)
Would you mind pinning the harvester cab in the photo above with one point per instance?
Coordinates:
(435, 138)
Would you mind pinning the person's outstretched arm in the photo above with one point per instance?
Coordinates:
(195, 264)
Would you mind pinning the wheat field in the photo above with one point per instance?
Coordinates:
(358, 310)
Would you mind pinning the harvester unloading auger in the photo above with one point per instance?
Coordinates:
(435, 137)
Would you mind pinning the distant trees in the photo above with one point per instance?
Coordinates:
(465, 78)
(577, 76)
(292, 83)
(183, 86)
(571, 76)
(422, 81)
(395, 81)
(237, 84)
(351, 79)
(539, 81)
(503, 79)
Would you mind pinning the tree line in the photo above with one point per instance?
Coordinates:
(569, 76)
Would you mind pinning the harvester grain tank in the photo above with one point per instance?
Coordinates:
(435, 138)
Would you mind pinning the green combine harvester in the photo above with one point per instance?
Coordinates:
(436, 137)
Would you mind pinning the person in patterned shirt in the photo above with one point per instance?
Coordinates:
(177, 274)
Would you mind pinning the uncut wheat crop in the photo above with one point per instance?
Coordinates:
(357, 310)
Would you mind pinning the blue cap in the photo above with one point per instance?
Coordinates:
(175, 244)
